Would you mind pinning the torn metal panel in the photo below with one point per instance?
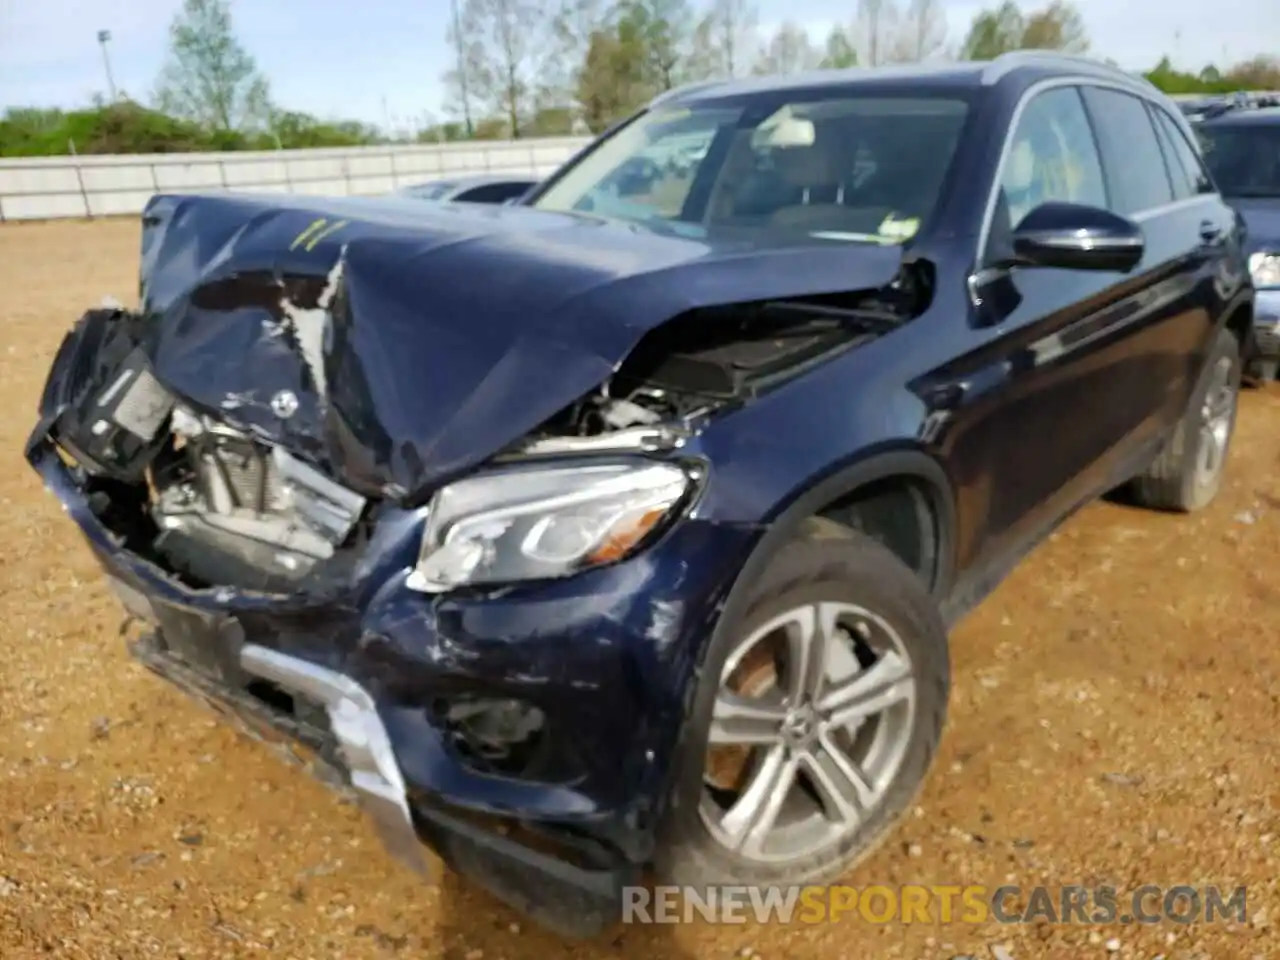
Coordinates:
(306, 325)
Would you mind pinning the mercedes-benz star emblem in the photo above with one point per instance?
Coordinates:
(284, 404)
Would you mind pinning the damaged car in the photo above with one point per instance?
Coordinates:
(619, 533)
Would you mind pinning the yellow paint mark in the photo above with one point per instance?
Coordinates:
(328, 231)
(311, 228)
(894, 229)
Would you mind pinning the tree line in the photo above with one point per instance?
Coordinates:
(524, 68)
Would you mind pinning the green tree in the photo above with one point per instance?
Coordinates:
(613, 80)
(663, 28)
(1257, 73)
(210, 78)
(839, 52)
(1057, 26)
(293, 130)
(994, 32)
(571, 29)
(500, 40)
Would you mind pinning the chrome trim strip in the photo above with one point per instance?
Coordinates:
(363, 741)
(643, 438)
(1049, 238)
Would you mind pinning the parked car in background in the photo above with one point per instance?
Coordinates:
(1242, 149)
(1196, 109)
(478, 188)
(619, 531)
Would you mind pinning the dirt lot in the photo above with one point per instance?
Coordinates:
(1114, 719)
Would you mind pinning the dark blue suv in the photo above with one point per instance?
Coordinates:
(623, 528)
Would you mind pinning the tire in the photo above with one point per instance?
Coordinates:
(827, 564)
(1179, 479)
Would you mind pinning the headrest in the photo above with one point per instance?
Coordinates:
(1020, 170)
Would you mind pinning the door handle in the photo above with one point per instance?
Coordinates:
(1210, 232)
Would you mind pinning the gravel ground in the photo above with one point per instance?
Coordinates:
(1114, 720)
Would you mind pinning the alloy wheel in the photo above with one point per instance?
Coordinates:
(811, 723)
(1217, 416)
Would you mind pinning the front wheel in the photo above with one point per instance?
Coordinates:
(816, 719)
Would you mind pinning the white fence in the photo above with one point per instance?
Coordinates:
(50, 188)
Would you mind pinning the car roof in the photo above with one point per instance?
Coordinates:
(1019, 66)
(1260, 116)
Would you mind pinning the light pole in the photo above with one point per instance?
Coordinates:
(462, 70)
(103, 37)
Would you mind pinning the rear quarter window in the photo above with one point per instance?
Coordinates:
(1188, 172)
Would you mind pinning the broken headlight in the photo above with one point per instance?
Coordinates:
(545, 522)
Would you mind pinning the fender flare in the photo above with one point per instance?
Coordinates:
(912, 464)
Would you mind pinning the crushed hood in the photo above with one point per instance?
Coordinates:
(399, 344)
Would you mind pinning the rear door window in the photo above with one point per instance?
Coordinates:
(1131, 157)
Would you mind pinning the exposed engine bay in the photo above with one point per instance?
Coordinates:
(717, 359)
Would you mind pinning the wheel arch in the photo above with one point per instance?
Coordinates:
(838, 495)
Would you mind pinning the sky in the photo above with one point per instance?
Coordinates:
(380, 61)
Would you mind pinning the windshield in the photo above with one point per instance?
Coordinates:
(857, 168)
(1244, 159)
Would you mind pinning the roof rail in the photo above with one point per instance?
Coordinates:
(1012, 59)
(674, 92)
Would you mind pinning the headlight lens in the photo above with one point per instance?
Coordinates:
(542, 522)
(1265, 268)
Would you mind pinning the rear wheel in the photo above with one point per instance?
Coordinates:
(817, 719)
(1188, 473)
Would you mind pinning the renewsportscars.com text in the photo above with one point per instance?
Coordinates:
(1007, 904)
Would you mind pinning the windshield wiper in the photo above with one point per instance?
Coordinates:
(1273, 194)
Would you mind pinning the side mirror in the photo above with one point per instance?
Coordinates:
(1074, 236)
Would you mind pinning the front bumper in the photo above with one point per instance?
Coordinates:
(608, 657)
